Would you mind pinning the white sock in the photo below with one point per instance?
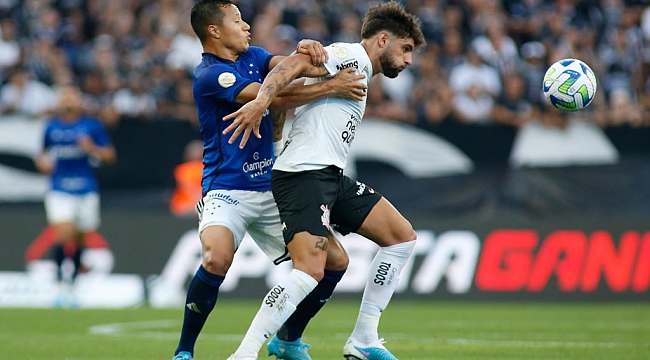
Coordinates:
(383, 276)
(278, 304)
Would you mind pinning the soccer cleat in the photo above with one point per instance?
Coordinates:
(183, 355)
(375, 351)
(288, 350)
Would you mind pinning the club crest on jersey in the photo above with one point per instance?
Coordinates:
(227, 79)
(325, 218)
(339, 51)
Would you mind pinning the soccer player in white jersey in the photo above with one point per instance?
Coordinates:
(72, 144)
(236, 184)
(314, 196)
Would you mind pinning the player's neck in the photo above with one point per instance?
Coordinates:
(374, 59)
(222, 52)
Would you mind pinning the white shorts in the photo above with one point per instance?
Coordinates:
(241, 211)
(82, 210)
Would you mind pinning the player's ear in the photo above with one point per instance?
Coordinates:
(213, 31)
(383, 38)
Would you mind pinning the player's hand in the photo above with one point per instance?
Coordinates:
(246, 120)
(86, 144)
(314, 49)
(45, 164)
(347, 84)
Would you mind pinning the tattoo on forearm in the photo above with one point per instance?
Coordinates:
(277, 121)
(321, 243)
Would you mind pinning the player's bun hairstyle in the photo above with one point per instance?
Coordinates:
(205, 13)
(392, 17)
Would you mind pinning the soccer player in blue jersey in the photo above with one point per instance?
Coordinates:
(72, 145)
(236, 183)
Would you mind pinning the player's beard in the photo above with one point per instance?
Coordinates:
(388, 67)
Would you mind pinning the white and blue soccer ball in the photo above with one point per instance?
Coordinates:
(569, 85)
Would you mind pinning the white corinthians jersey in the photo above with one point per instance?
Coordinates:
(323, 130)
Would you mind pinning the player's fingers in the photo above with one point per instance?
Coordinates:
(244, 138)
(235, 135)
(256, 131)
(230, 128)
(231, 116)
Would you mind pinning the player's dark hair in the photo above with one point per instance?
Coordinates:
(205, 13)
(392, 17)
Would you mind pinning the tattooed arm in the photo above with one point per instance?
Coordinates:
(277, 121)
(249, 116)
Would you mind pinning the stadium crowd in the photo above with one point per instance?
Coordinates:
(483, 63)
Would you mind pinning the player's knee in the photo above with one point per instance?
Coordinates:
(337, 260)
(216, 263)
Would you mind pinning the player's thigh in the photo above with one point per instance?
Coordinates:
(304, 200)
(87, 212)
(60, 210)
(385, 226)
(362, 210)
(266, 230)
(59, 207)
(222, 227)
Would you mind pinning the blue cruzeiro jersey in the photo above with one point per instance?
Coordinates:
(73, 171)
(217, 82)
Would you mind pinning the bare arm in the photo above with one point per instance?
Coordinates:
(249, 116)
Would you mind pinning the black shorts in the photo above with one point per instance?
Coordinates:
(314, 200)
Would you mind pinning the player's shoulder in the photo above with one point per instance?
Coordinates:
(346, 51)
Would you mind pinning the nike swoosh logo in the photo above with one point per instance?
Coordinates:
(362, 351)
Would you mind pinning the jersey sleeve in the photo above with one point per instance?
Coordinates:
(340, 57)
(223, 83)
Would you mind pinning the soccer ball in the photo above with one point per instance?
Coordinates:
(569, 85)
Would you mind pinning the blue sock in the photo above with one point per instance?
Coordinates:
(201, 298)
(59, 255)
(293, 328)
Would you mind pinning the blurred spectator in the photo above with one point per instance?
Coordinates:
(525, 19)
(496, 47)
(512, 107)
(185, 49)
(625, 111)
(9, 46)
(349, 28)
(134, 100)
(188, 180)
(432, 99)
(533, 67)
(381, 105)
(453, 49)
(18, 94)
(475, 85)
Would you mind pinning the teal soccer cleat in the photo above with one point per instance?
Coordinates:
(183, 355)
(288, 350)
(357, 351)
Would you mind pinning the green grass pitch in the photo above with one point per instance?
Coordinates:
(414, 331)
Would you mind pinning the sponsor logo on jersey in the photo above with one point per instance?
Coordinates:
(345, 65)
(223, 197)
(227, 79)
(258, 166)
